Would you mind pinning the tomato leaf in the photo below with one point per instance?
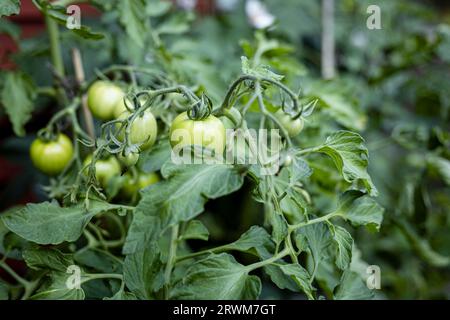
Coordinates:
(56, 288)
(143, 273)
(195, 230)
(99, 260)
(47, 258)
(132, 18)
(350, 157)
(360, 209)
(256, 241)
(300, 276)
(344, 244)
(180, 197)
(58, 13)
(217, 277)
(9, 7)
(156, 157)
(48, 223)
(317, 238)
(17, 97)
(352, 287)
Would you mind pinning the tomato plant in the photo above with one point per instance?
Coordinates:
(295, 212)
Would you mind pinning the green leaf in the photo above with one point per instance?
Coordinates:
(156, 157)
(256, 241)
(58, 13)
(48, 223)
(9, 7)
(300, 276)
(344, 244)
(100, 260)
(157, 8)
(217, 277)
(132, 17)
(350, 157)
(17, 97)
(143, 272)
(176, 24)
(422, 246)
(442, 166)
(260, 71)
(195, 230)
(180, 197)
(317, 238)
(360, 209)
(57, 289)
(280, 279)
(352, 287)
(47, 259)
(342, 110)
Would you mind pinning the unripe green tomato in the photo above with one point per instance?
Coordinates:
(51, 157)
(209, 132)
(103, 97)
(132, 186)
(143, 129)
(293, 127)
(105, 169)
(129, 160)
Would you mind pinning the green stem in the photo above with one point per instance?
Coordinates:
(170, 260)
(55, 48)
(13, 274)
(327, 217)
(308, 150)
(56, 55)
(263, 263)
(200, 253)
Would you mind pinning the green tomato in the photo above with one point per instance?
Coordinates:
(209, 133)
(103, 97)
(128, 160)
(293, 127)
(105, 169)
(51, 157)
(143, 129)
(132, 185)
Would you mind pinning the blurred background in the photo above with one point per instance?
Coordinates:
(391, 84)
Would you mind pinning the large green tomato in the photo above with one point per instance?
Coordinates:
(133, 185)
(103, 97)
(105, 169)
(293, 127)
(51, 157)
(143, 129)
(209, 133)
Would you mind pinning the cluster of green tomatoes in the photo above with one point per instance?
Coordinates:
(107, 101)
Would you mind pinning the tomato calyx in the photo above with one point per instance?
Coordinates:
(201, 109)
